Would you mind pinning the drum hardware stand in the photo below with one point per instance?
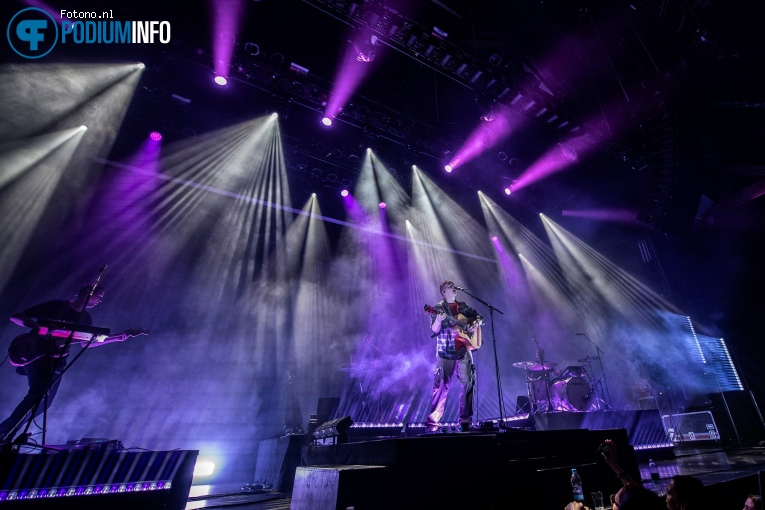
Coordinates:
(545, 376)
(595, 391)
(492, 309)
(602, 372)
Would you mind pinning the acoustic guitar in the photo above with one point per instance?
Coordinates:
(29, 347)
(465, 329)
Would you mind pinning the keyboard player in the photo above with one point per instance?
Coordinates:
(44, 368)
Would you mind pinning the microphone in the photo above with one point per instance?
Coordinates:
(460, 288)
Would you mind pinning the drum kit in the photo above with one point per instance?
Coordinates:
(571, 389)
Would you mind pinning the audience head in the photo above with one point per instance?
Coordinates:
(685, 493)
(635, 497)
(753, 502)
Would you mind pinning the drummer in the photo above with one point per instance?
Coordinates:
(542, 365)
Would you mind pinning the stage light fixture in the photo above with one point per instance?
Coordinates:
(448, 168)
(83, 128)
(383, 205)
(298, 69)
(326, 121)
(439, 34)
(494, 238)
(344, 193)
(365, 51)
(336, 430)
(220, 80)
(252, 49)
(155, 135)
(508, 190)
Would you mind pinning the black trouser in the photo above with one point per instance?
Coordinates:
(38, 375)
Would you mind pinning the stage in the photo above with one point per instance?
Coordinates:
(403, 467)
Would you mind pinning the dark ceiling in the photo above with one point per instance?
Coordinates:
(637, 78)
(669, 94)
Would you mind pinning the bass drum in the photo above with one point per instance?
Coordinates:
(572, 394)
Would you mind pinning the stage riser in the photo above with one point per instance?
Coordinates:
(643, 427)
(341, 487)
(490, 466)
(278, 459)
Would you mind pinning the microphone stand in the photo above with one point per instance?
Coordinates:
(52, 378)
(602, 372)
(492, 309)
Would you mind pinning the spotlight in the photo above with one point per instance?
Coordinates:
(155, 135)
(448, 168)
(383, 205)
(221, 80)
(344, 193)
(494, 238)
(83, 128)
(365, 51)
(326, 121)
(140, 66)
(508, 190)
(204, 468)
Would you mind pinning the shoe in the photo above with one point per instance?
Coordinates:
(465, 426)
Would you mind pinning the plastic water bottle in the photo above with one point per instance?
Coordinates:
(655, 478)
(658, 486)
(576, 486)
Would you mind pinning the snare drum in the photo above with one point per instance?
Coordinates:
(572, 394)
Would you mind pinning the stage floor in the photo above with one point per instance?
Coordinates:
(710, 463)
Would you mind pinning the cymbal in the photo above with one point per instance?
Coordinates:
(524, 364)
(587, 359)
(546, 366)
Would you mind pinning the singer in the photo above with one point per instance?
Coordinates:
(49, 365)
(452, 356)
